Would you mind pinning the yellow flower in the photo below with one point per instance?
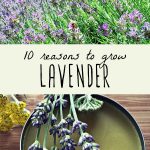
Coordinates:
(19, 118)
(12, 108)
(22, 105)
(3, 115)
(6, 124)
(2, 108)
(3, 100)
(12, 113)
(24, 118)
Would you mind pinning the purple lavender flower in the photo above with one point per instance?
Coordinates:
(28, 39)
(59, 34)
(106, 33)
(77, 125)
(39, 37)
(135, 16)
(146, 30)
(72, 26)
(132, 33)
(2, 37)
(21, 1)
(73, 4)
(42, 37)
(54, 130)
(85, 137)
(29, 31)
(46, 105)
(67, 143)
(104, 29)
(146, 26)
(69, 119)
(123, 19)
(53, 120)
(45, 26)
(37, 15)
(62, 124)
(86, 7)
(89, 146)
(36, 3)
(118, 5)
(64, 132)
(123, 22)
(39, 117)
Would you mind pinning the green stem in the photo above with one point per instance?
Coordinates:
(70, 110)
(38, 134)
(73, 107)
(46, 134)
(74, 111)
(61, 107)
(54, 136)
(89, 97)
(48, 124)
(53, 106)
(54, 140)
(15, 99)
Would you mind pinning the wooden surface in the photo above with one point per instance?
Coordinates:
(138, 106)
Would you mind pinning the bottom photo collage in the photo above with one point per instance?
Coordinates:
(74, 122)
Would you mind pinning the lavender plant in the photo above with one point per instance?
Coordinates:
(62, 127)
(74, 22)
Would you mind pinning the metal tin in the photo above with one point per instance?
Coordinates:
(111, 102)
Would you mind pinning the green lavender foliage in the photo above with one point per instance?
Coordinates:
(73, 22)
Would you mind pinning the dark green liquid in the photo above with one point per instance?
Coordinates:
(109, 127)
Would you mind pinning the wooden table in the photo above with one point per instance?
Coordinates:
(138, 105)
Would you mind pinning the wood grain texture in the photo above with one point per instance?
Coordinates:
(137, 105)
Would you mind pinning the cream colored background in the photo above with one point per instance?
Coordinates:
(129, 76)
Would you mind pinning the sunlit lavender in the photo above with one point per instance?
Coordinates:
(74, 22)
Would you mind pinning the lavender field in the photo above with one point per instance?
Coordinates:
(74, 22)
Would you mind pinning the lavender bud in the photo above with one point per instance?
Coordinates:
(77, 125)
(53, 120)
(69, 119)
(64, 132)
(54, 130)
